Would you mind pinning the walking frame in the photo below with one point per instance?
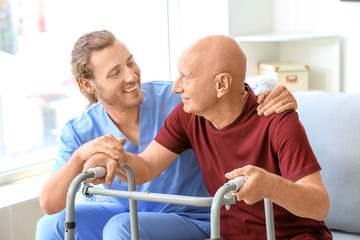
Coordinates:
(222, 197)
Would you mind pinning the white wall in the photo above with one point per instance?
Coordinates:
(248, 17)
(191, 20)
(18, 221)
(325, 16)
(195, 19)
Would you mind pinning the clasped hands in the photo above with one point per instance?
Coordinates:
(106, 151)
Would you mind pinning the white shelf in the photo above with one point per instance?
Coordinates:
(284, 37)
(321, 52)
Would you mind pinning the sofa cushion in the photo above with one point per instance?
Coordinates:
(332, 123)
(338, 235)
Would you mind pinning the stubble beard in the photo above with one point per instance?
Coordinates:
(121, 101)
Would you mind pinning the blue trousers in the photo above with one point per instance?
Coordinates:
(109, 221)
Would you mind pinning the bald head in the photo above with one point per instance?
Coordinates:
(211, 79)
(217, 54)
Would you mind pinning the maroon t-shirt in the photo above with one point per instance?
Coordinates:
(277, 143)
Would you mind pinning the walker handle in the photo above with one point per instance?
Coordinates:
(235, 185)
(98, 172)
(238, 182)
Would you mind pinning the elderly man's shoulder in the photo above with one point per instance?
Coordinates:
(288, 118)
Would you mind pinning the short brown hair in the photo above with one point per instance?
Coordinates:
(81, 53)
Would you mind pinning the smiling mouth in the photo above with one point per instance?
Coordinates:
(131, 89)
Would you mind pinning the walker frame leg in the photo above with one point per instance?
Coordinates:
(132, 204)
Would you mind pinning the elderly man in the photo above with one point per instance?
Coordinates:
(218, 120)
(120, 106)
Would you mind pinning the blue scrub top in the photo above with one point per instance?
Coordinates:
(182, 177)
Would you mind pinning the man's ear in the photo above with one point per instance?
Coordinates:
(222, 83)
(87, 86)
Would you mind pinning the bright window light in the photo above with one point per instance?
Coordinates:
(37, 92)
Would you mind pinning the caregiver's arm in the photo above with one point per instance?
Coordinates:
(53, 195)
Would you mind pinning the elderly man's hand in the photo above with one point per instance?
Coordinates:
(276, 100)
(102, 160)
(113, 165)
(257, 186)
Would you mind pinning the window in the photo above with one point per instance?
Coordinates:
(37, 92)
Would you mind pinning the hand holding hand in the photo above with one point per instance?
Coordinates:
(112, 165)
(106, 144)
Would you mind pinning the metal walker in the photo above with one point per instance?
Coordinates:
(222, 197)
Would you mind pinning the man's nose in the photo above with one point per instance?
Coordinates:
(131, 76)
(177, 88)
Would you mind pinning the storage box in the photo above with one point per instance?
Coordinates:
(292, 75)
